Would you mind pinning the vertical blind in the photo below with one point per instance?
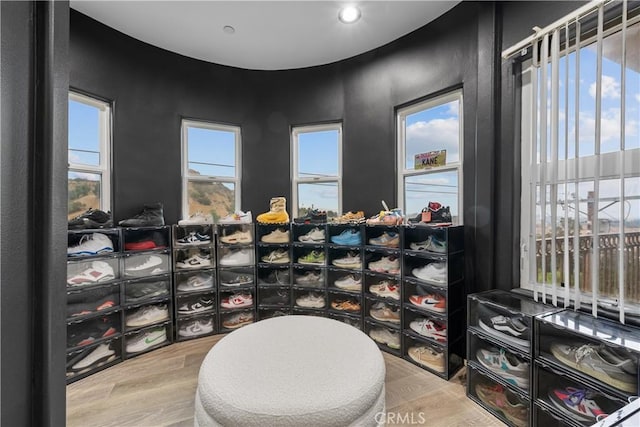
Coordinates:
(581, 203)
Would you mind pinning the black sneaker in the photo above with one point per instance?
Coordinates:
(150, 216)
(203, 304)
(232, 279)
(143, 291)
(92, 218)
(314, 216)
(434, 213)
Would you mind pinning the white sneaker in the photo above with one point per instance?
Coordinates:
(99, 271)
(99, 356)
(195, 261)
(146, 340)
(237, 237)
(237, 258)
(386, 337)
(147, 315)
(276, 236)
(280, 256)
(198, 218)
(349, 261)
(349, 283)
(237, 217)
(153, 264)
(237, 301)
(387, 264)
(433, 272)
(385, 289)
(91, 244)
(314, 236)
(311, 300)
(196, 327)
(237, 320)
(196, 283)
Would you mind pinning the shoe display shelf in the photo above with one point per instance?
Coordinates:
(273, 257)
(433, 298)
(584, 368)
(147, 310)
(94, 309)
(344, 272)
(500, 353)
(195, 281)
(309, 269)
(236, 251)
(380, 283)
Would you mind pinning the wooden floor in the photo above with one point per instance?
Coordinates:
(158, 388)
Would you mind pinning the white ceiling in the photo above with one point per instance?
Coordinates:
(269, 35)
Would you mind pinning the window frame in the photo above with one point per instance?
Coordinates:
(186, 178)
(104, 168)
(295, 180)
(403, 173)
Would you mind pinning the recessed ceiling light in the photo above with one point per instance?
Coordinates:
(228, 29)
(349, 14)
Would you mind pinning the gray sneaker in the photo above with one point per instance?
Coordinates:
(596, 361)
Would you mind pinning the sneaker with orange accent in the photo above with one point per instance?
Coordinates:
(351, 217)
(427, 356)
(345, 305)
(431, 302)
(385, 289)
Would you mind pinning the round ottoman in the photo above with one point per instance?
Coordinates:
(292, 371)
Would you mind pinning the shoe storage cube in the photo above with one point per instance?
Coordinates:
(195, 281)
(267, 313)
(93, 358)
(87, 302)
(372, 279)
(146, 238)
(235, 319)
(600, 352)
(309, 299)
(355, 321)
(273, 255)
(450, 299)
(504, 318)
(87, 332)
(195, 304)
(373, 257)
(568, 398)
(195, 326)
(95, 271)
(272, 296)
(344, 302)
(428, 355)
(309, 277)
(510, 368)
(146, 264)
(144, 340)
(236, 277)
(298, 252)
(432, 269)
(144, 290)
(511, 407)
(351, 230)
(237, 299)
(347, 281)
(388, 339)
(274, 275)
(543, 417)
(426, 239)
(235, 234)
(427, 326)
(236, 256)
(381, 312)
(194, 258)
(193, 235)
(273, 234)
(308, 234)
(336, 256)
(373, 233)
(142, 316)
(87, 243)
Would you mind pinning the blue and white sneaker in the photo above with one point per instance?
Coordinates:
(347, 237)
(505, 365)
(194, 238)
(91, 244)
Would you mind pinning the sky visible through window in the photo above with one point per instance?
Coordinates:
(318, 157)
(611, 90)
(433, 129)
(84, 135)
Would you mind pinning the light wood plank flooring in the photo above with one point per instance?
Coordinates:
(158, 388)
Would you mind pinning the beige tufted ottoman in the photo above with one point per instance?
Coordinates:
(292, 371)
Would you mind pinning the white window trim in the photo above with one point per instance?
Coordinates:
(403, 173)
(236, 180)
(104, 168)
(295, 180)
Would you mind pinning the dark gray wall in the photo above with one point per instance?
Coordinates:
(33, 192)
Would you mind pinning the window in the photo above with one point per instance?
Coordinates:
(317, 169)
(430, 130)
(580, 224)
(89, 151)
(211, 159)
